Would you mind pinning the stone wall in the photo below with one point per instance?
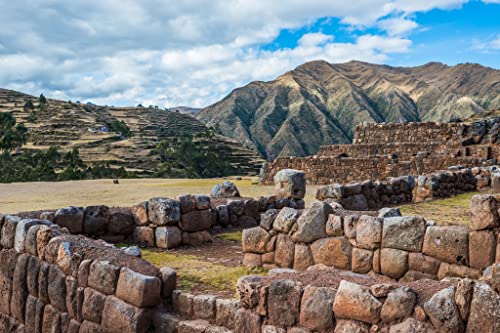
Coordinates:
(400, 190)
(51, 281)
(381, 151)
(401, 248)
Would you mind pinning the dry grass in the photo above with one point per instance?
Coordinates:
(449, 211)
(19, 197)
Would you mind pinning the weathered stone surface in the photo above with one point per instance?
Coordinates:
(334, 251)
(21, 234)
(382, 289)
(290, 183)
(422, 263)
(389, 212)
(448, 270)
(251, 208)
(202, 201)
(350, 223)
(187, 202)
(482, 248)
(398, 305)
(32, 275)
(121, 223)
(283, 302)
(90, 327)
(83, 273)
(164, 211)
(463, 297)
(369, 232)
(443, 312)
(182, 303)
(255, 240)
(286, 219)
(57, 288)
(93, 305)
(9, 231)
(120, 317)
(404, 233)
(413, 326)
(484, 314)
(252, 260)
(103, 277)
(311, 225)
(168, 280)
(19, 288)
(272, 329)
(168, 237)
(267, 218)
(334, 226)
(316, 308)
(144, 236)
(354, 301)
(449, 244)
(140, 213)
(376, 261)
(96, 220)
(483, 212)
(411, 276)
(303, 257)
(247, 322)
(197, 220)
(138, 289)
(204, 307)
(393, 263)
(70, 218)
(226, 189)
(51, 319)
(192, 326)
(361, 260)
(223, 215)
(351, 326)
(285, 249)
(226, 312)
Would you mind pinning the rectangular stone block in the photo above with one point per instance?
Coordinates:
(120, 317)
(103, 277)
(482, 248)
(138, 289)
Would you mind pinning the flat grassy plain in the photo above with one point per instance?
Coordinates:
(19, 197)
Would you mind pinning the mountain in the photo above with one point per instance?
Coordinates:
(321, 103)
(92, 129)
(185, 109)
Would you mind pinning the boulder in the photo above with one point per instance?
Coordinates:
(422, 263)
(354, 301)
(398, 305)
(351, 326)
(449, 270)
(463, 297)
(369, 232)
(247, 321)
(333, 191)
(483, 212)
(335, 226)
(8, 233)
(267, 218)
(290, 183)
(197, 220)
(484, 314)
(252, 260)
(355, 202)
(134, 251)
(286, 219)
(283, 302)
(204, 307)
(303, 257)
(316, 308)
(164, 211)
(449, 244)
(412, 325)
(393, 263)
(389, 212)
(311, 225)
(168, 237)
(144, 236)
(361, 260)
(96, 220)
(443, 311)
(285, 249)
(226, 189)
(333, 251)
(187, 202)
(121, 223)
(404, 233)
(202, 201)
(121, 317)
(140, 213)
(70, 218)
(255, 240)
(482, 248)
(103, 277)
(226, 312)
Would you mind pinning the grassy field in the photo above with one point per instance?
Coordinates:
(19, 197)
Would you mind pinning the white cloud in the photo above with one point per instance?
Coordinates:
(189, 52)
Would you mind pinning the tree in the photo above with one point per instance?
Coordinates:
(42, 100)
(12, 136)
(28, 106)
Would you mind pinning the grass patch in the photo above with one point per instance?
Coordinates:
(231, 236)
(192, 271)
(449, 211)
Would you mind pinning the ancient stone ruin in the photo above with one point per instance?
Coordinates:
(381, 151)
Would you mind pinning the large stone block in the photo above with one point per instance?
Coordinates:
(335, 226)
(19, 288)
(449, 244)
(361, 260)
(267, 218)
(449, 270)
(443, 311)
(354, 301)
(138, 289)
(422, 263)
(144, 236)
(96, 220)
(285, 251)
(93, 305)
(226, 312)
(9, 231)
(121, 223)
(255, 240)
(247, 322)
(56, 288)
(140, 213)
(303, 257)
(168, 237)
(334, 251)
(404, 233)
(482, 248)
(204, 307)
(398, 305)
(393, 263)
(164, 211)
(283, 302)
(290, 183)
(311, 225)
(226, 189)
(197, 220)
(103, 277)
(483, 212)
(120, 317)
(169, 281)
(70, 218)
(369, 232)
(316, 308)
(484, 314)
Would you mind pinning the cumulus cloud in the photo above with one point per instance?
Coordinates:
(190, 52)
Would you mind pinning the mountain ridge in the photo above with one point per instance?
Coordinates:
(321, 103)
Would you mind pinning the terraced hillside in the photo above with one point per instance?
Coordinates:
(89, 128)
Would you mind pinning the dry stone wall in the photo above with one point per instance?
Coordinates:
(403, 248)
(381, 151)
(51, 281)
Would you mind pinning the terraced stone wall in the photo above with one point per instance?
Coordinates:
(402, 248)
(51, 281)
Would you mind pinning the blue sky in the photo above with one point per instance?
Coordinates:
(194, 52)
